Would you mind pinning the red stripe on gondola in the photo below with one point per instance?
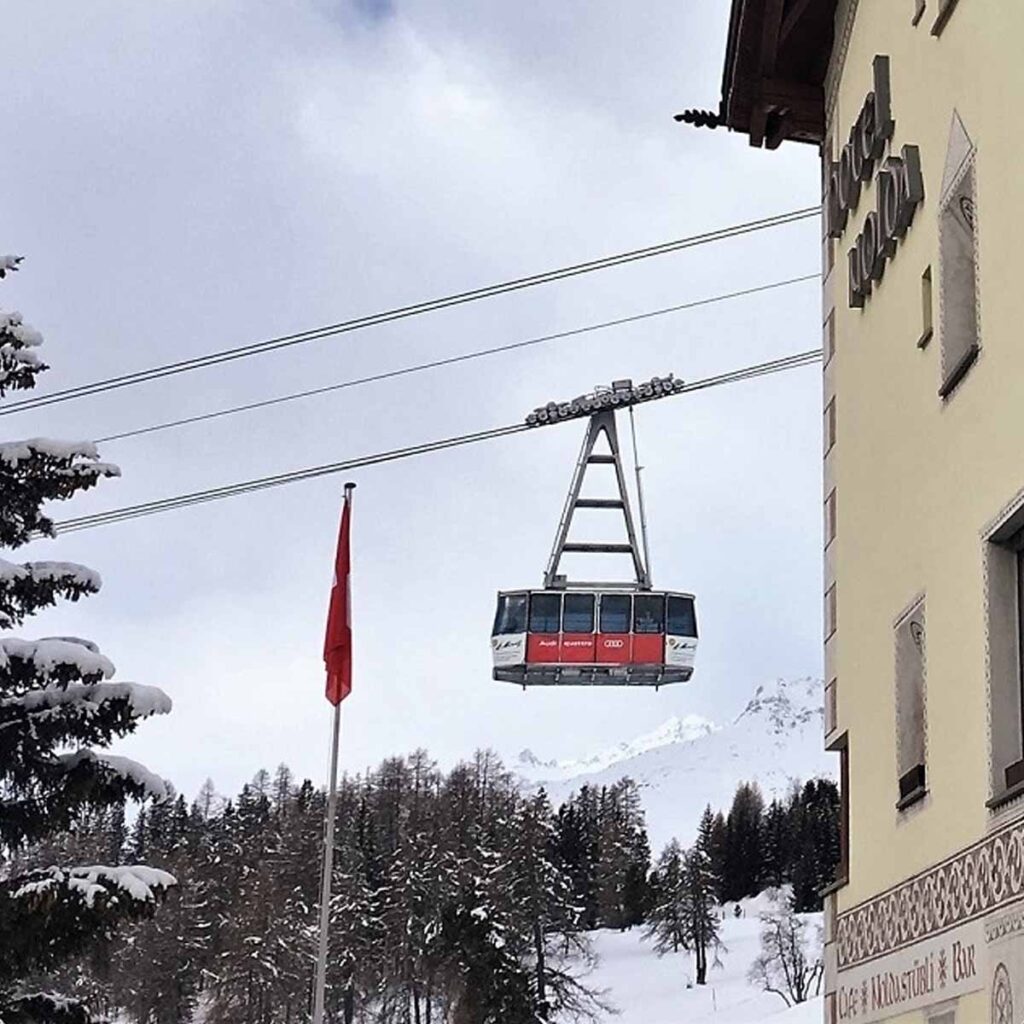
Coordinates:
(614, 649)
(648, 649)
(542, 648)
(577, 648)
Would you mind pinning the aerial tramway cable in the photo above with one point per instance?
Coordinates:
(402, 312)
(450, 360)
(295, 476)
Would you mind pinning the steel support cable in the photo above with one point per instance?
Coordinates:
(402, 312)
(450, 360)
(263, 483)
(279, 479)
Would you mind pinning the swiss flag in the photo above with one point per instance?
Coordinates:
(338, 638)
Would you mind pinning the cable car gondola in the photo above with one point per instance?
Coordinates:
(610, 634)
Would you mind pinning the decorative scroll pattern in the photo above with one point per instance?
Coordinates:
(976, 881)
(1011, 923)
(1002, 997)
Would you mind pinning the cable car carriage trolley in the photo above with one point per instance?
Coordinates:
(597, 633)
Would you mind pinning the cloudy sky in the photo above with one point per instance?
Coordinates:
(188, 176)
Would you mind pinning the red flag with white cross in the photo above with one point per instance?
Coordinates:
(338, 637)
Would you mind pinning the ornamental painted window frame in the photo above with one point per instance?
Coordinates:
(959, 276)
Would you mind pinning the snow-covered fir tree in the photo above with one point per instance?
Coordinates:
(684, 911)
(709, 843)
(547, 915)
(57, 712)
(744, 860)
(601, 842)
(155, 967)
(700, 886)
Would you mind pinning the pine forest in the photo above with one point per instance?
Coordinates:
(457, 897)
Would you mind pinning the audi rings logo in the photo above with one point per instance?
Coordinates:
(615, 644)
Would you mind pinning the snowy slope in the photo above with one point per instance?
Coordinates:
(687, 763)
(647, 989)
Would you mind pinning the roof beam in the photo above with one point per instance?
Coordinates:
(770, 29)
(779, 92)
(796, 12)
(758, 123)
(778, 132)
(775, 63)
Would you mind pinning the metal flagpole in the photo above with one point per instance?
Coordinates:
(325, 881)
(320, 985)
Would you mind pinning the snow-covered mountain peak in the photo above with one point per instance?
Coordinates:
(674, 730)
(688, 762)
(786, 706)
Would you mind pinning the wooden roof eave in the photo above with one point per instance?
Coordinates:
(772, 81)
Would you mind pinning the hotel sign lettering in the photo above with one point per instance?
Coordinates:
(900, 190)
(899, 187)
(868, 137)
(923, 974)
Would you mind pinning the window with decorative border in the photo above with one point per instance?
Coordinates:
(830, 424)
(831, 707)
(830, 611)
(830, 517)
(958, 260)
(909, 637)
(830, 246)
(830, 337)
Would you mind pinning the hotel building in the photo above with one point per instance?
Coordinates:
(912, 106)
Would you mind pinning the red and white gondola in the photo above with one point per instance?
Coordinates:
(578, 636)
(613, 634)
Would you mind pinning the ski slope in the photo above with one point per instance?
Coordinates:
(648, 989)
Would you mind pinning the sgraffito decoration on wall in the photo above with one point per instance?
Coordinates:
(970, 884)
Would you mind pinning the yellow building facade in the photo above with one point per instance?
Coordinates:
(914, 107)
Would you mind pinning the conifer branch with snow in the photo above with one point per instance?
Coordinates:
(58, 711)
